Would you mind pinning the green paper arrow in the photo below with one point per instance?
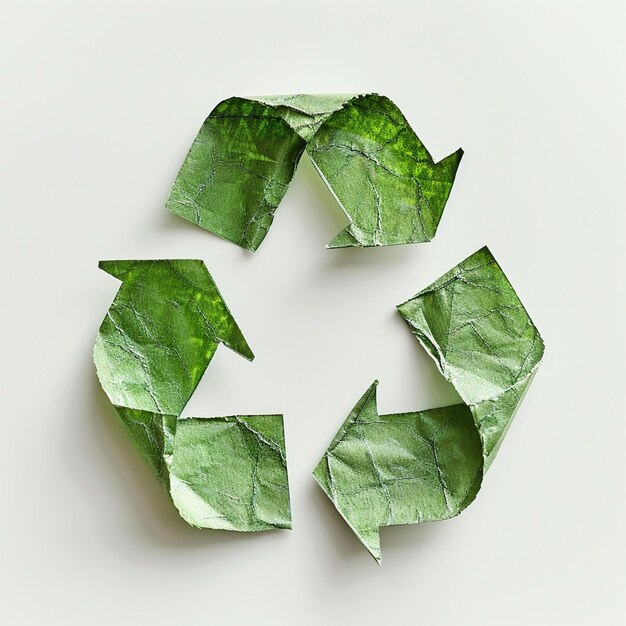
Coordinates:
(244, 157)
(152, 349)
(425, 466)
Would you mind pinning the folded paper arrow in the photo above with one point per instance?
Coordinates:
(383, 470)
(246, 152)
(152, 349)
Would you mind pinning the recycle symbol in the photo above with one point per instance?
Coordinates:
(168, 318)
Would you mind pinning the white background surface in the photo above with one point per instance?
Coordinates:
(100, 102)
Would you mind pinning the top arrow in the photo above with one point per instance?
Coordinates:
(244, 157)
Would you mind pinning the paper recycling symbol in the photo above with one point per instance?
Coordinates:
(168, 318)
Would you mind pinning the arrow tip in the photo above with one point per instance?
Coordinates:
(371, 540)
(344, 239)
(325, 474)
(118, 269)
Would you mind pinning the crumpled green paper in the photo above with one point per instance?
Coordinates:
(152, 349)
(246, 152)
(406, 468)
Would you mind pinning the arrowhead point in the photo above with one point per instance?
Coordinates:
(119, 269)
(371, 540)
(366, 410)
(345, 239)
(444, 170)
(449, 165)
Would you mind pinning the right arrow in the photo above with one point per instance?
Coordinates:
(383, 470)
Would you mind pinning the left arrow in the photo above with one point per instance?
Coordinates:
(152, 349)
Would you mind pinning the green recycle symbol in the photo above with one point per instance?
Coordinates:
(168, 318)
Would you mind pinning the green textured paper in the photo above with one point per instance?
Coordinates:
(383, 470)
(244, 157)
(152, 349)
